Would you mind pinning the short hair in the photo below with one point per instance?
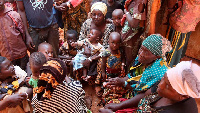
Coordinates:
(1, 60)
(37, 58)
(100, 33)
(72, 32)
(41, 45)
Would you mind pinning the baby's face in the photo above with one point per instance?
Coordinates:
(117, 19)
(93, 36)
(71, 38)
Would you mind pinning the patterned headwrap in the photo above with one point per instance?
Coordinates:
(52, 74)
(185, 79)
(157, 44)
(100, 6)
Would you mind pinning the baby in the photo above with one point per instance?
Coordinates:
(36, 60)
(117, 16)
(67, 51)
(91, 50)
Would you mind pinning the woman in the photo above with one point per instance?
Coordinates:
(151, 56)
(54, 91)
(174, 93)
(97, 21)
(135, 13)
(74, 13)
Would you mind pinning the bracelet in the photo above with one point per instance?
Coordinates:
(127, 12)
(90, 59)
(125, 83)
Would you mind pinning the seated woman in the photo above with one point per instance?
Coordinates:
(55, 90)
(97, 21)
(151, 56)
(174, 93)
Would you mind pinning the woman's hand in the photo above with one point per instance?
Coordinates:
(60, 8)
(102, 110)
(112, 82)
(15, 99)
(113, 107)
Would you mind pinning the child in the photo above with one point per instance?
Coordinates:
(12, 36)
(36, 60)
(46, 49)
(91, 50)
(117, 16)
(11, 91)
(67, 51)
(112, 65)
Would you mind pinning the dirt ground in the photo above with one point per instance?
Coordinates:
(92, 100)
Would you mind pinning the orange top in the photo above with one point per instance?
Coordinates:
(186, 17)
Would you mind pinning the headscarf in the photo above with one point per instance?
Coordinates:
(185, 79)
(52, 74)
(100, 6)
(157, 44)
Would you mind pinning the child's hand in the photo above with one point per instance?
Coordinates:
(27, 81)
(74, 44)
(15, 99)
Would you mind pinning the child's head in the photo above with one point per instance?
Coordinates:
(46, 49)
(114, 41)
(95, 35)
(71, 36)
(2, 5)
(110, 1)
(117, 15)
(6, 68)
(36, 60)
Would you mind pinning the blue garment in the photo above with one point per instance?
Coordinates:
(39, 13)
(58, 16)
(78, 59)
(152, 74)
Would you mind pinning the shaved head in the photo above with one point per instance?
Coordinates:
(118, 12)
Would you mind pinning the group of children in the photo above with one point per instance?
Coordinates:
(78, 55)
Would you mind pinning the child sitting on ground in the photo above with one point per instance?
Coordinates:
(11, 91)
(67, 51)
(112, 66)
(117, 16)
(91, 50)
(36, 60)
